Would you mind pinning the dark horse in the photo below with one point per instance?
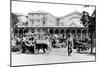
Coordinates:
(37, 47)
(25, 47)
(41, 46)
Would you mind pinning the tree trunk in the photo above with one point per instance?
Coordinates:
(91, 43)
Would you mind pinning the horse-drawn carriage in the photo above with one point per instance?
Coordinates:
(57, 43)
(83, 46)
(32, 46)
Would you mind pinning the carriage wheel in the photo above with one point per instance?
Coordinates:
(78, 50)
(82, 50)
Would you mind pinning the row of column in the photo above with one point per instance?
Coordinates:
(54, 30)
(70, 31)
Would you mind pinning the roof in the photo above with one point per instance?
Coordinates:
(38, 12)
(71, 14)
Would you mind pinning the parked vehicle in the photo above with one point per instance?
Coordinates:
(83, 46)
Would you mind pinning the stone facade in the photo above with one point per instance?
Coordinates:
(37, 19)
(71, 20)
(43, 19)
(40, 22)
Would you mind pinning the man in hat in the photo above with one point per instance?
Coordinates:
(69, 44)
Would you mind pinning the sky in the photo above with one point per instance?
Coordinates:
(55, 9)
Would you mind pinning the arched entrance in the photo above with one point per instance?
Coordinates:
(67, 31)
(62, 31)
(84, 33)
(51, 31)
(26, 30)
(21, 32)
(16, 32)
(79, 33)
(73, 32)
(56, 31)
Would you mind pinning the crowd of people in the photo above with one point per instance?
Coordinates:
(46, 42)
(32, 42)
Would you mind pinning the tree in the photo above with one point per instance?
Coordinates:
(14, 20)
(90, 22)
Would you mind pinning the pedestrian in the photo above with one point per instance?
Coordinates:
(49, 46)
(69, 45)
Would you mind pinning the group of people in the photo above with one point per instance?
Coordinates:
(35, 42)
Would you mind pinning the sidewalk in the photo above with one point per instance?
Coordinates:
(56, 56)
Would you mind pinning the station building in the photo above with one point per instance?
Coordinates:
(43, 22)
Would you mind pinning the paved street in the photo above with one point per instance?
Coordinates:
(56, 56)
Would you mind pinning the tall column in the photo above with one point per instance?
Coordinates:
(23, 31)
(75, 32)
(58, 31)
(67, 31)
(47, 30)
(81, 32)
(87, 33)
(35, 30)
(41, 30)
(54, 31)
(70, 31)
(64, 31)
(18, 32)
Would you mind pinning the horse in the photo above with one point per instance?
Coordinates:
(44, 45)
(41, 46)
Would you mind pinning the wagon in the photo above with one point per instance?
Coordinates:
(83, 47)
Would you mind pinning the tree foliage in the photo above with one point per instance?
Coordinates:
(14, 20)
(89, 21)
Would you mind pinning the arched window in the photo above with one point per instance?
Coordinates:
(25, 31)
(56, 31)
(32, 30)
(73, 32)
(15, 30)
(51, 31)
(79, 32)
(21, 31)
(67, 31)
(84, 33)
(62, 31)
